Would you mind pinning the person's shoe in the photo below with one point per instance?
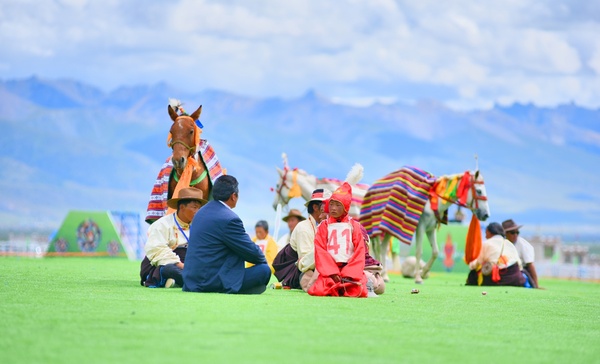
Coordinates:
(170, 283)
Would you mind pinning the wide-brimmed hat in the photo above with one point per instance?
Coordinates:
(510, 225)
(189, 193)
(318, 195)
(294, 213)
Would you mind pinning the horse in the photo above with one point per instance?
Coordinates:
(184, 138)
(297, 180)
(411, 202)
(193, 162)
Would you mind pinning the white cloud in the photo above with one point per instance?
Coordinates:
(468, 54)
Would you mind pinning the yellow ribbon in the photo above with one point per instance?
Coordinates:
(295, 190)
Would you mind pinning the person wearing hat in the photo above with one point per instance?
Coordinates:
(526, 252)
(339, 250)
(292, 219)
(167, 241)
(295, 263)
(219, 246)
(498, 263)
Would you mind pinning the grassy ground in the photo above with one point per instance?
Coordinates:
(59, 310)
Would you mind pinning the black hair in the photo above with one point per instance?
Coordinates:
(495, 228)
(224, 187)
(263, 224)
(311, 206)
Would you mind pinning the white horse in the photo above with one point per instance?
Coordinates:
(298, 180)
(474, 198)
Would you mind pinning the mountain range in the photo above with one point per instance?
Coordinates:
(69, 145)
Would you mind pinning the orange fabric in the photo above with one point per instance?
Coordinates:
(437, 189)
(185, 179)
(295, 190)
(473, 244)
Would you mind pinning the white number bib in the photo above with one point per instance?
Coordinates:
(262, 244)
(339, 243)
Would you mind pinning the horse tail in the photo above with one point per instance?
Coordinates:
(355, 174)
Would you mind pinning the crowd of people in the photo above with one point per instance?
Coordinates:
(203, 247)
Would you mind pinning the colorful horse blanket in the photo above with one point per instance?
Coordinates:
(158, 198)
(394, 204)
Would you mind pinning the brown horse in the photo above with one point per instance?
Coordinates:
(187, 164)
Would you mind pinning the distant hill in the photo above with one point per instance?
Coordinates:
(67, 145)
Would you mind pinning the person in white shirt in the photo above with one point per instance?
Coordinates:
(297, 260)
(292, 219)
(167, 241)
(524, 248)
(496, 251)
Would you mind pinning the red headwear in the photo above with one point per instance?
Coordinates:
(343, 195)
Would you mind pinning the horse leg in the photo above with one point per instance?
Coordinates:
(385, 244)
(418, 253)
(395, 260)
(379, 253)
(431, 236)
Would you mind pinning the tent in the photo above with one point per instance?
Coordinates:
(92, 234)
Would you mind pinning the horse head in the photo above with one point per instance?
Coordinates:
(184, 137)
(293, 183)
(282, 188)
(477, 199)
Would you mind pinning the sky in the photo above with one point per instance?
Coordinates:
(466, 54)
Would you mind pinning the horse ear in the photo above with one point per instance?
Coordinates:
(172, 113)
(196, 114)
(279, 171)
(476, 174)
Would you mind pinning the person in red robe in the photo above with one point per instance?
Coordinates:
(340, 250)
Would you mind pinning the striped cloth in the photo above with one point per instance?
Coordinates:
(157, 206)
(395, 203)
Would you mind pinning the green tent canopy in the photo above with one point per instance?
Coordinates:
(89, 234)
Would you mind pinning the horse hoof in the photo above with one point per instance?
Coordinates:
(419, 281)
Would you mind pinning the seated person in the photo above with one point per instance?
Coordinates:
(498, 251)
(373, 267)
(340, 251)
(219, 246)
(526, 252)
(292, 219)
(168, 239)
(265, 242)
(296, 259)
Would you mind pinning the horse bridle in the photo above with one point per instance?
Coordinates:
(191, 149)
(283, 184)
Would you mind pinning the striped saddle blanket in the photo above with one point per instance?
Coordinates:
(394, 204)
(157, 206)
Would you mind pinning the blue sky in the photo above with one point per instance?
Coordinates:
(467, 54)
(464, 54)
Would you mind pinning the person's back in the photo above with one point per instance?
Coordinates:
(496, 247)
(219, 245)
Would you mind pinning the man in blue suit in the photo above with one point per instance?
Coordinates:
(219, 246)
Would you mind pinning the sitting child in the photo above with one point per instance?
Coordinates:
(340, 251)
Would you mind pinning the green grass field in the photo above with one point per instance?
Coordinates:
(93, 310)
